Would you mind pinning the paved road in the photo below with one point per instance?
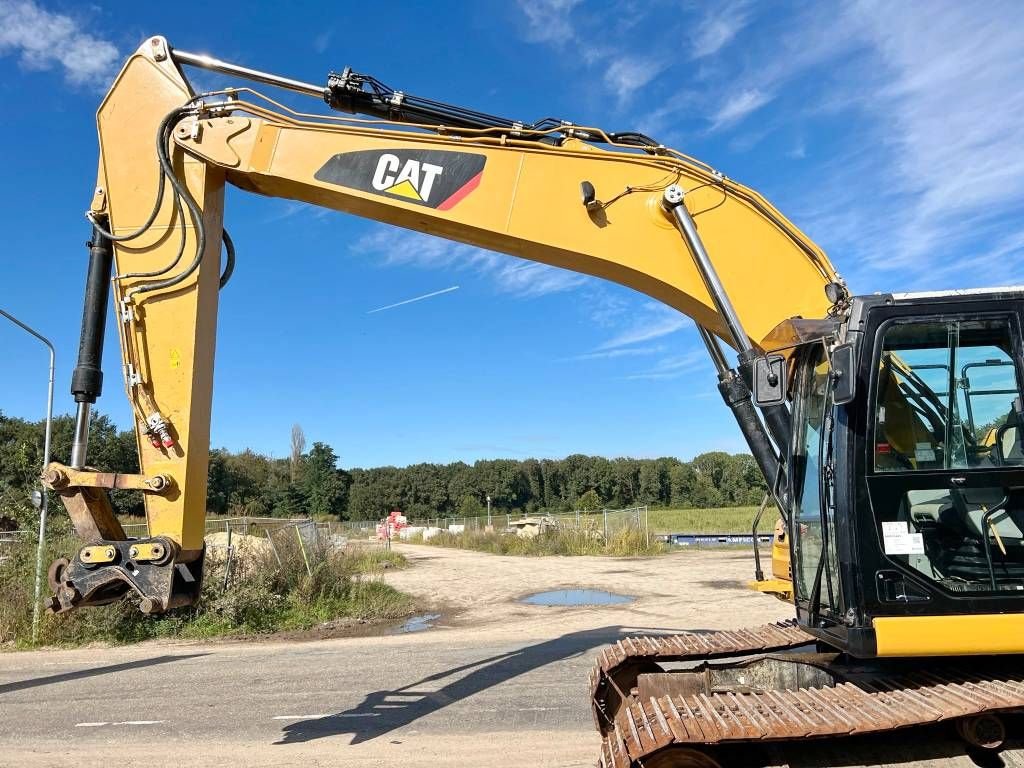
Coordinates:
(395, 700)
(497, 683)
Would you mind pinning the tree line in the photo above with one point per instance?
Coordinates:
(311, 482)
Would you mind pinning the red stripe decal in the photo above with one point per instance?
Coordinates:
(460, 193)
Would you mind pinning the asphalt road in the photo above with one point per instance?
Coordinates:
(361, 701)
(496, 683)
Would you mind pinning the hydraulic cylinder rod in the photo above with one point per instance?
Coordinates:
(776, 417)
(87, 379)
(673, 202)
(226, 68)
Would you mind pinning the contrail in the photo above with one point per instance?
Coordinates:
(418, 298)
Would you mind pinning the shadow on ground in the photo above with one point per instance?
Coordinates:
(382, 712)
(35, 682)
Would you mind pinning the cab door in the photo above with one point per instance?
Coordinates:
(816, 579)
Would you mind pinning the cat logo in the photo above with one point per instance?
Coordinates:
(431, 177)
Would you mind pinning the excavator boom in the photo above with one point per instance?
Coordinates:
(884, 520)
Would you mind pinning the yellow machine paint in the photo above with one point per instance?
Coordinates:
(780, 583)
(972, 635)
(526, 204)
(524, 201)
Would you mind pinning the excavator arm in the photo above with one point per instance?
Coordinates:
(578, 198)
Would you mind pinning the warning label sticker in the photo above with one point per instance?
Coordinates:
(898, 540)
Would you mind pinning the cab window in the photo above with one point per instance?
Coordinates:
(948, 400)
(947, 396)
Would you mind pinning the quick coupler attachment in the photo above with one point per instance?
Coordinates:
(102, 572)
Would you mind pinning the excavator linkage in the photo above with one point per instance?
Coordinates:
(768, 685)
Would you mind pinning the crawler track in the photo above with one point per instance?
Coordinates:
(643, 732)
(614, 675)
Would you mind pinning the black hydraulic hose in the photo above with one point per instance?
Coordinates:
(160, 144)
(194, 211)
(229, 258)
(179, 213)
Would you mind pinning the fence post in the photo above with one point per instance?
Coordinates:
(227, 565)
(302, 547)
(273, 548)
(604, 512)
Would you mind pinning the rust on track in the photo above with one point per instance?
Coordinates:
(881, 702)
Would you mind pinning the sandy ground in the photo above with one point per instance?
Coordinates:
(691, 589)
(494, 682)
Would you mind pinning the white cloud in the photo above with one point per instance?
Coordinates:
(548, 20)
(718, 28)
(737, 106)
(392, 246)
(322, 41)
(673, 367)
(616, 353)
(627, 75)
(43, 40)
(651, 321)
(953, 114)
(926, 188)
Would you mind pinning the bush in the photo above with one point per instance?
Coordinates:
(261, 596)
(585, 540)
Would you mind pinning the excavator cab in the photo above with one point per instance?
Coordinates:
(907, 517)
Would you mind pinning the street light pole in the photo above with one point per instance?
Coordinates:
(45, 500)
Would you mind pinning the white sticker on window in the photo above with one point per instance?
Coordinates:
(924, 452)
(898, 540)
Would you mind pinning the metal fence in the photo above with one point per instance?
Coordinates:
(608, 522)
(248, 526)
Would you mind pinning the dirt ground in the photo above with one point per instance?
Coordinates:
(689, 589)
(495, 682)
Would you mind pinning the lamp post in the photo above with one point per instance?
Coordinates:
(488, 510)
(44, 497)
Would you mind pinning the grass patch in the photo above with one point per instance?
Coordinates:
(261, 596)
(712, 520)
(564, 541)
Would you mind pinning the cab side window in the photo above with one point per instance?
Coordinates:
(947, 396)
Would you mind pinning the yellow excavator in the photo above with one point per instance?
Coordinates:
(868, 416)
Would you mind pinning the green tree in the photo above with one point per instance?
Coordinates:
(322, 482)
(589, 501)
(470, 507)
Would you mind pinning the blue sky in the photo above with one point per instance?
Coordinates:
(892, 133)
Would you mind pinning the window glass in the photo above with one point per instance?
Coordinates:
(947, 397)
(810, 410)
(966, 539)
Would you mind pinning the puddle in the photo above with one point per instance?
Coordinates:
(418, 623)
(576, 597)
